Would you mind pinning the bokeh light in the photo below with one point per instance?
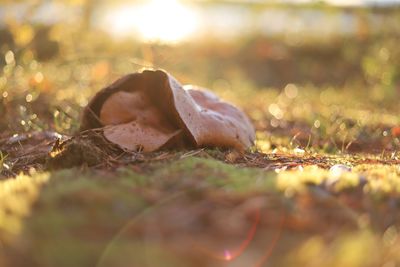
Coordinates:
(156, 20)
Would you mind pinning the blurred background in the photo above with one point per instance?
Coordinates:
(56, 54)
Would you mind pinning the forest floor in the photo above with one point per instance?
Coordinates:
(321, 187)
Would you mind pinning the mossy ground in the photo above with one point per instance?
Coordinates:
(197, 211)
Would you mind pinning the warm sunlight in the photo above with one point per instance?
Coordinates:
(166, 21)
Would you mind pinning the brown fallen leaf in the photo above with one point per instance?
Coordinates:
(151, 110)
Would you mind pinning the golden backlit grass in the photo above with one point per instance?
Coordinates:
(17, 195)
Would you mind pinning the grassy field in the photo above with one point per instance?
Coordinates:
(278, 205)
(320, 187)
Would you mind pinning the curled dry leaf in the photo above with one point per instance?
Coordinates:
(151, 110)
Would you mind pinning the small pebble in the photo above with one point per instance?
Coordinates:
(338, 169)
(335, 172)
(299, 151)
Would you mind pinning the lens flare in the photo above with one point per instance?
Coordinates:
(166, 21)
(268, 251)
(229, 255)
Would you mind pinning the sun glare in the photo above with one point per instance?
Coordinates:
(156, 20)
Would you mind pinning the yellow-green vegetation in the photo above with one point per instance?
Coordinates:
(78, 213)
(17, 196)
(169, 213)
(379, 179)
(384, 179)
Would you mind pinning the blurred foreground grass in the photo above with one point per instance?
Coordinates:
(194, 211)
